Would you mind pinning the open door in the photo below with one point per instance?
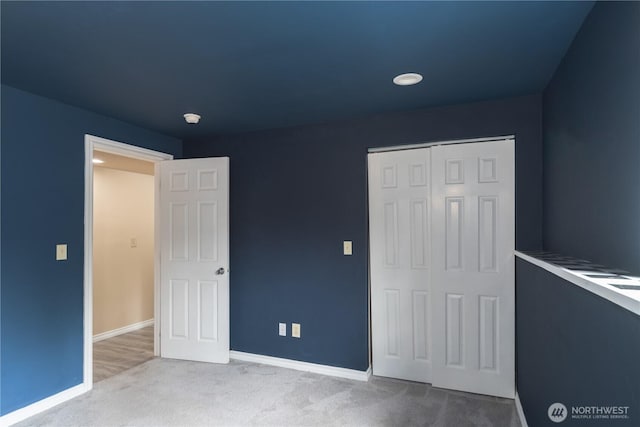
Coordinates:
(194, 259)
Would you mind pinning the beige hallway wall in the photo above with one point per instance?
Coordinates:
(123, 205)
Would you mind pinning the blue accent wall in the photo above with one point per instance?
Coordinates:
(573, 347)
(592, 142)
(297, 193)
(42, 198)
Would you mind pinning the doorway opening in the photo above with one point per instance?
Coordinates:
(123, 249)
(121, 298)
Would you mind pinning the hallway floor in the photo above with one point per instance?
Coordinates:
(118, 354)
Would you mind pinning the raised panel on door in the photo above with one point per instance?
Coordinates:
(207, 231)
(391, 234)
(194, 252)
(208, 310)
(454, 330)
(419, 232)
(421, 326)
(392, 315)
(488, 335)
(487, 233)
(179, 308)
(207, 179)
(399, 186)
(179, 226)
(473, 188)
(454, 233)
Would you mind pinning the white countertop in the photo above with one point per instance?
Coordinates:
(601, 286)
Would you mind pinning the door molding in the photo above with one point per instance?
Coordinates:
(91, 143)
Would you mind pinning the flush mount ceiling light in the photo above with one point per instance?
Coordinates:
(192, 118)
(407, 79)
(97, 161)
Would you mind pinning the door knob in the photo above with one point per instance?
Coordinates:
(220, 271)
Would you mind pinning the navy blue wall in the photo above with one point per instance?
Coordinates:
(42, 180)
(297, 193)
(573, 347)
(592, 142)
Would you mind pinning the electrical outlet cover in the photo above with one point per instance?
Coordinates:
(282, 329)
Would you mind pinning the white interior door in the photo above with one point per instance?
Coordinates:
(194, 259)
(473, 267)
(399, 202)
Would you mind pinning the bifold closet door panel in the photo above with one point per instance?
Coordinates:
(399, 200)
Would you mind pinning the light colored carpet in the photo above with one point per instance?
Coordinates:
(163, 392)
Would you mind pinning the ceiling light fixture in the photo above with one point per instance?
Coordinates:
(97, 161)
(407, 79)
(192, 118)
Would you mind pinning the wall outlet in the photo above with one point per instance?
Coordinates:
(61, 252)
(347, 247)
(295, 330)
(282, 329)
(134, 242)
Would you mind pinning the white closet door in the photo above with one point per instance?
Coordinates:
(473, 267)
(399, 245)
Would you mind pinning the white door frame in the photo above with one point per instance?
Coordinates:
(92, 143)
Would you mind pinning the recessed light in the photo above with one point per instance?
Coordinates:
(97, 161)
(407, 79)
(192, 118)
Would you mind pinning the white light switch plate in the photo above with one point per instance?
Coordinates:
(295, 330)
(347, 247)
(282, 329)
(61, 252)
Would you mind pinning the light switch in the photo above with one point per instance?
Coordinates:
(347, 247)
(295, 330)
(282, 329)
(134, 242)
(61, 252)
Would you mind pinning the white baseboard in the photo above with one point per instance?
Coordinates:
(125, 329)
(42, 405)
(523, 420)
(333, 371)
